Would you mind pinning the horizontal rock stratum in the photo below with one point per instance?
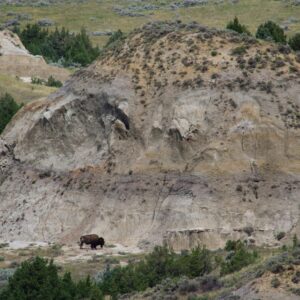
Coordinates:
(179, 134)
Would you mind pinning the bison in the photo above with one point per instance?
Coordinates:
(92, 239)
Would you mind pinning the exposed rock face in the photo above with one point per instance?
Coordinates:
(16, 60)
(178, 131)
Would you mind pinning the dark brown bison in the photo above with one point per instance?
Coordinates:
(92, 239)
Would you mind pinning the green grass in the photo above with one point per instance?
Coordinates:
(80, 269)
(23, 92)
(100, 16)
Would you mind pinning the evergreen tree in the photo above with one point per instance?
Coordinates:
(38, 279)
(294, 42)
(237, 258)
(53, 82)
(8, 108)
(59, 45)
(161, 263)
(271, 31)
(114, 39)
(235, 25)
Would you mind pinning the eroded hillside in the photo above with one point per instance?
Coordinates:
(180, 134)
(17, 61)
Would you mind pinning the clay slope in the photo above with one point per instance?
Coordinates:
(16, 60)
(180, 134)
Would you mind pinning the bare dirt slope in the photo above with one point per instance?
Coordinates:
(16, 60)
(180, 134)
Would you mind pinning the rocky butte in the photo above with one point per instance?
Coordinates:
(179, 134)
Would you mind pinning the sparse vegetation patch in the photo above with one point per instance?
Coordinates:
(8, 108)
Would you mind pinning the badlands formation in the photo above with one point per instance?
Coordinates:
(17, 61)
(179, 134)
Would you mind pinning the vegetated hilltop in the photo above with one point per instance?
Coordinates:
(178, 133)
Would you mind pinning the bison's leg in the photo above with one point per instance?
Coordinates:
(81, 244)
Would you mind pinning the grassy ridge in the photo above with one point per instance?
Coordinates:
(23, 92)
(97, 16)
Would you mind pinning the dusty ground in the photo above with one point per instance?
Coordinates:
(80, 262)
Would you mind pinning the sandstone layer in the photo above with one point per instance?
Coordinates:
(178, 134)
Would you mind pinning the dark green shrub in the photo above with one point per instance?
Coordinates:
(296, 278)
(209, 283)
(38, 279)
(198, 262)
(275, 283)
(36, 80)
(238, 258)
(294, 42)
(233, 245)
(115, 41)
(239, 50)
(296, 252)
(53, 82)
(8, 108)
(276, 264)
(295, 291)
(235, 25)
(272, 32)
(214, 53)
(114, 38)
